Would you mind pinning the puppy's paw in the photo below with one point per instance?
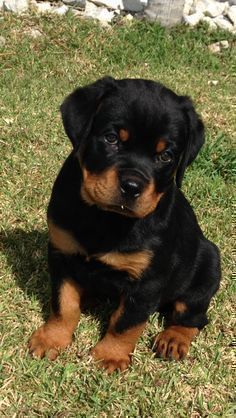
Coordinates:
(48, 341)
(174, 342)
(111, 356)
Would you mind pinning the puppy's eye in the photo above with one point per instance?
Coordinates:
(164, 157)
(111, 139)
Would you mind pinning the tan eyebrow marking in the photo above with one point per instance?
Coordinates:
(161, 145)
(124, 135)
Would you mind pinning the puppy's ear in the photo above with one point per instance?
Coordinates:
(194, 138)
(79, 107)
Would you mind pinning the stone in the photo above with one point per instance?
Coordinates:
(110, 4)
(2, 41)
(168, 14)
(134, 5)
(101, 14)
(214, 48)
(42, 7)
(33, 33)
(60, 11)
(223, 23)
(224, 44)
(194, 19)
(231, 14)
(16, 6)
(76, 4)
(210, 8)
(213, 82)
(188, 6)
(212, 25)
(128, 17)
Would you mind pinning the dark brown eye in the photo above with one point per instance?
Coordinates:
(164, 157)
(111, 139)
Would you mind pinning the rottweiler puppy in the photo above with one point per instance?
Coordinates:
(119, 225)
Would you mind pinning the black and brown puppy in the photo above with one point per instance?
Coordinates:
(120, 226)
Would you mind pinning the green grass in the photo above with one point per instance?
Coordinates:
(35, 77)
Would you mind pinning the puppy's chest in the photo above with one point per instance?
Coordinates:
(126, 258)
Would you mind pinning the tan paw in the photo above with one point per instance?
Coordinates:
(174, 342)
(111, 355)
(48, 341)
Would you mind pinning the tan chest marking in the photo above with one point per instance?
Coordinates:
(63, 240)
(134, 263)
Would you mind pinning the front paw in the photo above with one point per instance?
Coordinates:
(111, 355)
(174, 342)
(48, 340)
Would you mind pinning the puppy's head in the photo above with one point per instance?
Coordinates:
(132, 138)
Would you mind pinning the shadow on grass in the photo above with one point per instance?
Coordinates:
(26, 254)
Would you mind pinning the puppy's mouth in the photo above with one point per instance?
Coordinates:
(121, 209)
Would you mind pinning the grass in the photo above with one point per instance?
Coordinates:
(35, 77)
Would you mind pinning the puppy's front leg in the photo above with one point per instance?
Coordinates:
(56, 333)
(114, 350)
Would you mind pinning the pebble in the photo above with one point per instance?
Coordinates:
(15, 6)
(194, 19)
(231, 14)
(223, 23)
(2, 41)
(60, 11)
(216, 47)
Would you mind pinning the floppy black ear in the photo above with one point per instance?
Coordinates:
(79, 107)
(194, 140)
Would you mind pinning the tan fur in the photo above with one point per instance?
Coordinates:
(180, 307)
(174, 341)
(161, 145)
(148, 201)
(99, 189)
(56, 333)
(134, 263)
(63, 240)
(124, 135)
(114, 350)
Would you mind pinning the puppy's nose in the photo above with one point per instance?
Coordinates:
(131, 188)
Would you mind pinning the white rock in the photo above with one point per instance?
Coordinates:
(2, 41)
(43, 7)
(223, 23)
(213, 82)
(231, 14)
(33, 33)
(215, 47)
(212, 25)
(128, 17)
(16, 6)
(193, 19)
(210, 8)
(98, 13)
(188, 6)
(224, 44)
(1, 4)
(62, 10)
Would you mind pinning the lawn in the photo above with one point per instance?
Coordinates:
(36, 75)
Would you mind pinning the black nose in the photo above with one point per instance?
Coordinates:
(131, 188)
